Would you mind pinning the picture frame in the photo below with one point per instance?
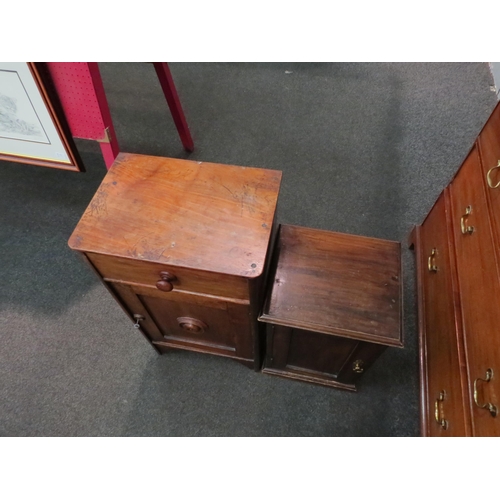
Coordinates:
(33, 128)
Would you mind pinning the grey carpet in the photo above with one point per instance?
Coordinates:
(364, 149)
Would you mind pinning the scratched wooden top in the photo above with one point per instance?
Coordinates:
(339, 284)
(185, 213)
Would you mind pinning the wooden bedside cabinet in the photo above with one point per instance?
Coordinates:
(334, 303)
(184, 246)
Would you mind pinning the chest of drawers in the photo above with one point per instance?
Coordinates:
(458, 280)
(184, 246)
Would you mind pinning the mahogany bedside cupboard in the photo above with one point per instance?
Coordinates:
(333, 305)
(183, 247)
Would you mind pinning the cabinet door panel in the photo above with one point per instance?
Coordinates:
(197, 322)
(301, 350)
(479, 290)
(133, 305)
(318, 352)
(489, 146)
(444, 388)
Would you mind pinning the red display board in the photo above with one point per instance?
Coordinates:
(82, 96)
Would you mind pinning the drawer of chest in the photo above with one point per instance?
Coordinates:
(444, 413)
(167, 278)
(479, 288)
(489, 148)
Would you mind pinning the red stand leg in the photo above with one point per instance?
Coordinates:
(168, 87)
(109, 145)
(81, 92)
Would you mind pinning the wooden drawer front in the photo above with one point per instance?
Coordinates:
(442, 369)
(489, 148)
(148, 274)
(479, 291)
(191, 321)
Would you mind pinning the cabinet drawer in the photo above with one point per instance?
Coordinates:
(489, 149)
(444, 408)
(148, 274)
(479, 291)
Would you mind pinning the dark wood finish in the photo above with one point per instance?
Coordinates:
(54, 108)
(360, 360)
(333, 305)
(414, 243)
(201, 322)
(441, 364)
(147, 273)
(116, 296)
(164, 348)
(165, 282)
(457, 288)
(133, 305)
(185, 245)
(192, 325)
(338, 284)
(479, 288)
(195, 215)
(489, 148)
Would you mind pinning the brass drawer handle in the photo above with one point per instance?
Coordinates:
(488, 406)
(192, 325)
(466, 229)
(488, 176)
(357, 366)
(437, 410)
(430, 262)
(164, 283)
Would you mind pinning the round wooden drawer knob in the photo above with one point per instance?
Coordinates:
(192, 325)
(164, 284)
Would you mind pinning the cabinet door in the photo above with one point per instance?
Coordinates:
(191, 321)
(310, 356)
(479, 292)
(445, 412)
(489, 149)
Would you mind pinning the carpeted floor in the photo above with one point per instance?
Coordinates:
(364, 149)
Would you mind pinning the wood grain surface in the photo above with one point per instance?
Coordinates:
(444, 371)
(489, 147)
(335, 283)
(479, 290)
(196, 215)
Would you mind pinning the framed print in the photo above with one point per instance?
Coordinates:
(32, 127)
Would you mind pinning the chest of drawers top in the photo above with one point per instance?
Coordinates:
(187, 214)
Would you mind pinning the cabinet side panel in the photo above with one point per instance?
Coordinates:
(416, 243)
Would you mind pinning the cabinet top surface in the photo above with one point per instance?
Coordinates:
(336, 283)
(182, 213)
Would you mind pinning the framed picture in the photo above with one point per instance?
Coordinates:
(32, 126)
